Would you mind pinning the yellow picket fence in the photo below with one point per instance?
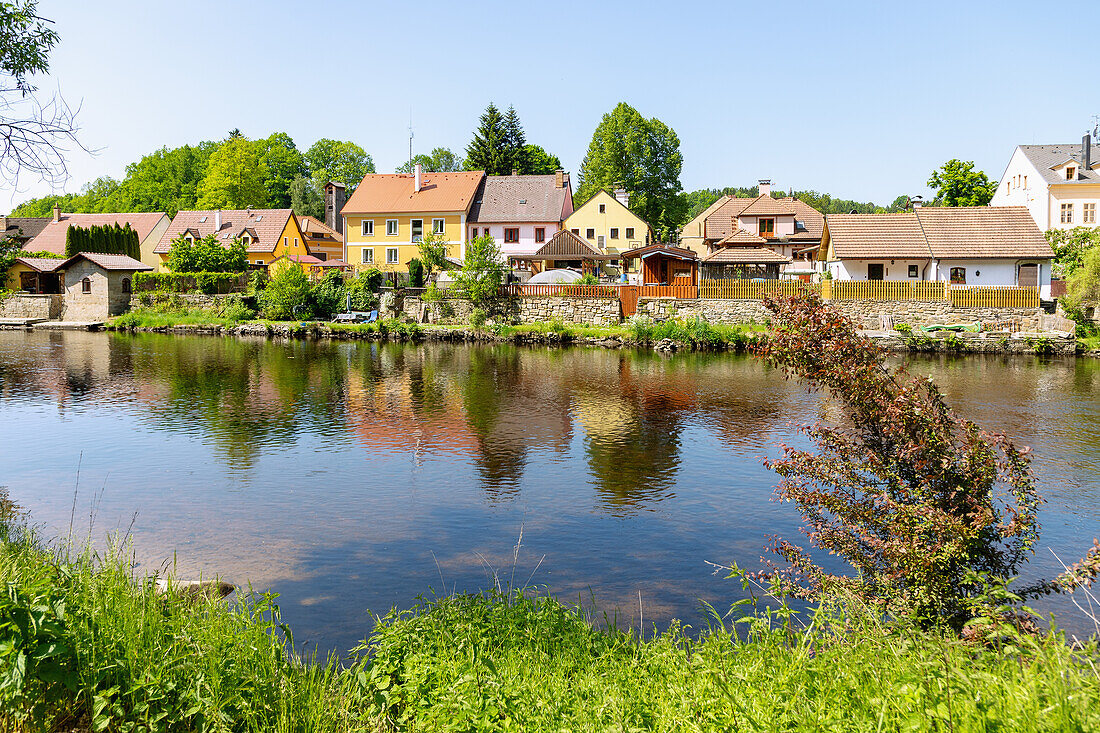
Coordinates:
(985, 296)
(752, 289)
(883, 290)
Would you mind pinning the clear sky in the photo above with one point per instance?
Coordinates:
(858, 99)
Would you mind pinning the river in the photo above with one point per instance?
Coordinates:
(352, 477)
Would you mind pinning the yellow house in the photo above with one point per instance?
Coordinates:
(268, 233)
(606, 223)
(388, 215)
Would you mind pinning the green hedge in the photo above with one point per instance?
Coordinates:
(191, 282)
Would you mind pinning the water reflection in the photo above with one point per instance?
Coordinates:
(350, 476)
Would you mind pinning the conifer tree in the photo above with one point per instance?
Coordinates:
(488, 151)
(516, 143)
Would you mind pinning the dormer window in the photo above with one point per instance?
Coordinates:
(246, 239)
(1071, 173)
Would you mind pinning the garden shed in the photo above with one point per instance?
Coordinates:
(98, 286)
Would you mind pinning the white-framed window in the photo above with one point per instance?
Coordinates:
(614, 232)
(391, 227)
(286, 241)
(416, 227)
(438, 226)
(1071, 172)
(259, 262)
(368, 227)
(630, 232)
(473, 233)
(1067, 213)
(391, 255)
(246, 239)
(600, 242)
(589, 233)
(367, 255)
(1088, 213)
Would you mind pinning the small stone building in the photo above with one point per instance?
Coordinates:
(98, 286)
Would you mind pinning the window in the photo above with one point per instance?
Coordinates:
(125, 284)
(613, 263)
(958, 276)
(630, 232)
(368, 227)
(603, 208)
(874, 271)
(576, 231)
(1088, 213)
(286, 241)
(391, 255)
(614, 232)
(913, 271)
(1067, 213)
(473, 233)
(1025, 181)
(367, 256)
(391, 227)
(1070, 173)
(590, 233)
(540, 234)
(767, 227)
(259, 262)
(437, 226)
(86, 285)
(600, 242)
(295, 241)
(417, 229)
(511, 235)
(246, 239)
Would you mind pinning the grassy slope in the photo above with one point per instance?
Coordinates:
(491, 662)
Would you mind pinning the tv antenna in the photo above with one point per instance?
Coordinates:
(410, 140)
(1096, 129)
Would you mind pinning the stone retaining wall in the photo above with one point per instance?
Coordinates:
(866, 313)
(592, 311)
(38, 307)
(190, 300)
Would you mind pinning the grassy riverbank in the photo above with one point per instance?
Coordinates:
(85, 644)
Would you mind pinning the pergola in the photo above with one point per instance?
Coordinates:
(567, 250)
(663, 264)
(743, 263)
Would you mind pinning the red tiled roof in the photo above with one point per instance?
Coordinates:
(315, 227)
(42, 264)
(392, 193)
(746, 256)
(723, 221)
(766, 206)
(52, 237)
(108, 262)
(740, 237)
(268, 225)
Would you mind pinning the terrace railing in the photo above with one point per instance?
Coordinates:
(994, 297)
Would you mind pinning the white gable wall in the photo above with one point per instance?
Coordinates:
(1034, 195)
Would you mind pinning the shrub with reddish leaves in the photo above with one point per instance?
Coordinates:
(917, 499)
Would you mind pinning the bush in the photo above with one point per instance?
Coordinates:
(363, 296)
(207, 255)
(477, 318)
(372, 279)
(416, 273)
(433, 293)
(287, 295)
(108, 239)
(588, 279)
(187, 282)
(482, 271)
(327, 296)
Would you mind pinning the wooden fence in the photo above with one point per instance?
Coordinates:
(883, 290)
(994, 297)
(560, 290)
(752, 289)
(688, 292)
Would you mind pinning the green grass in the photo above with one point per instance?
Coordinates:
(1089, 343)
(698, 333)
(166, 315)
(86, 643)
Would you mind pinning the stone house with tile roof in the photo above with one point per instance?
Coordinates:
(267, 233)
(389, 213)
(150, 227)
(961, 246)
(1059, 184)
(521, 213)
(788, 227)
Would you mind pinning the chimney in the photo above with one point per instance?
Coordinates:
(765, 186)
(515, 171)
(622, 196)
(916, 201)
(334, 203)
(559, 178)
(417, 178)
(1086, 152)
(57, 213)
(217, 221)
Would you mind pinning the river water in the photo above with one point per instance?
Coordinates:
(353, 477)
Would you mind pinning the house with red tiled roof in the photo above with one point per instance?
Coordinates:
(389, 214)
(267, 233)
(150, 227)
(962, 246)
(324, 242)
(787, 227)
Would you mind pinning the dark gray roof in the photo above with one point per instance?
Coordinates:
(31, 226)
(1044, 157)
(503, 199)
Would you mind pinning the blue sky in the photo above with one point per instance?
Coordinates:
(859, 99)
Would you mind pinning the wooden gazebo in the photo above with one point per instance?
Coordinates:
(663, 264)
(743, 263)
(567, 250)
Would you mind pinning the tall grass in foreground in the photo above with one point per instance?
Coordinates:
(85, 643)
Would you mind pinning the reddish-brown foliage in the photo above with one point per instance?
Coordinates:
(916, 498)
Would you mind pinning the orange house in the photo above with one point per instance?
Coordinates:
(267, 233)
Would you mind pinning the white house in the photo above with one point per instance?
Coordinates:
(1059, 184)
(521, 213)
(962, 246)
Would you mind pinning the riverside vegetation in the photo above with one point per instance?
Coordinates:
(929, 634)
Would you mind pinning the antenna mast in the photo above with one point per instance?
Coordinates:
(410, 140)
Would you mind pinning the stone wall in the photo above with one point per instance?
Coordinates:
(593, 311)
(107, 297)
(866, 313)
(38, 307)
(189, 300)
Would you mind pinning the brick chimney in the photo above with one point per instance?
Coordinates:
(622, 196)
(765, 186)
(334, 203)
(559, 178)
(57, 213)
(418, 176)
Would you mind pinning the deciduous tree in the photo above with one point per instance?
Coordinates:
(305, 199)
(482, 271)
(433, 254)
(441, 160)
(641, 155)
(338, 160)
(540, 162)
(956, 183)
(234, 177)
(207, 255)
(282, 163)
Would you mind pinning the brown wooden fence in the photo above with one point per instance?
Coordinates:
(752, 289)
(561, 290)
(689, 292)
(994, 297)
